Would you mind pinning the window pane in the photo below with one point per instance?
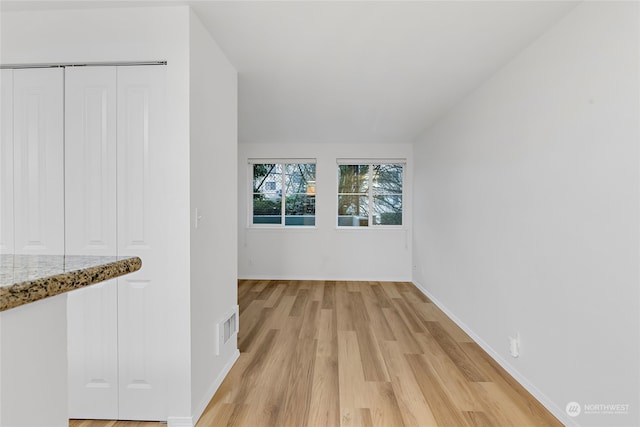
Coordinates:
(353, 178)
(387, 210)
(301, 178)
(300, 204)
(387, 179)
(353, 210)
(297, 220)
(267, 208)
(267, 177)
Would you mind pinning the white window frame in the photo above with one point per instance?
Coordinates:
(371, 162)
(283, 162)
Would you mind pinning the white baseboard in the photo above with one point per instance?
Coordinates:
(541, 397)
(197, 413)
(180, 422)
(323, 278)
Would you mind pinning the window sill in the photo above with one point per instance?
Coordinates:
(374, 228)
(281, 228)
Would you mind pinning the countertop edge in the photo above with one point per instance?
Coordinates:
(34, 290)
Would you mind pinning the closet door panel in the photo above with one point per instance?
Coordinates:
(38, 161)
(6, 162)
(90, 156)
(92, 352)
(90, 224)
(142, 301)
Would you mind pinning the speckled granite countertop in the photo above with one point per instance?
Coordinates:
(29, 278)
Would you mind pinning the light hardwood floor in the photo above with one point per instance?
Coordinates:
(348, 354)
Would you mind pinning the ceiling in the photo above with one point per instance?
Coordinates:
(357, 71)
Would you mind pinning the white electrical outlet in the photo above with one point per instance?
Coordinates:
(198, 218)
(514, 346)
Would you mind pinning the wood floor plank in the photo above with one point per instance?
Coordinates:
(372, 362)
(292, 288)
(453, 330)
(500, 407)
(426, 311)
(219, 416)
(266, 291)
(417, 293)
(518, 394)
(384, 407)
(451, 379)
(413, 406)
(390, 290)
(409, 315)
(260, 285)
(325, 408)
(365, 417)
(317, 290)
(478, 419)
(343, 309)
(328, 325)
(245, 296)
(268, 396)
(382, 298)
(279, 315)
(401, 331)
(356, 417)
(351, 374)
(379, 323)
(443, 409)
(455, 352)
(310, 321)
(237, 418)
(329, 295)
(255, 365)
(299, 384)
(254, 316)
(276, 296)
(228, 391)
(300, 302)
(335, 353)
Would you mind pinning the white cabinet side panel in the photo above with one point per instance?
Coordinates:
(90, 229)
(6, 162)
(34, 364)
(38, 161)
(142, 301)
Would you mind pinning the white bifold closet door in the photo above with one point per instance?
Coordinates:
(142, 296)
(114, 163)
(6, 162)
(90, 228)
(38, 177)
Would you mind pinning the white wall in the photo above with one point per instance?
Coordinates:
(323, 252)
(214, 153)
(526, 212)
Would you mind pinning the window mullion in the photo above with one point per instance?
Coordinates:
(283, 201)
(370, 201)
